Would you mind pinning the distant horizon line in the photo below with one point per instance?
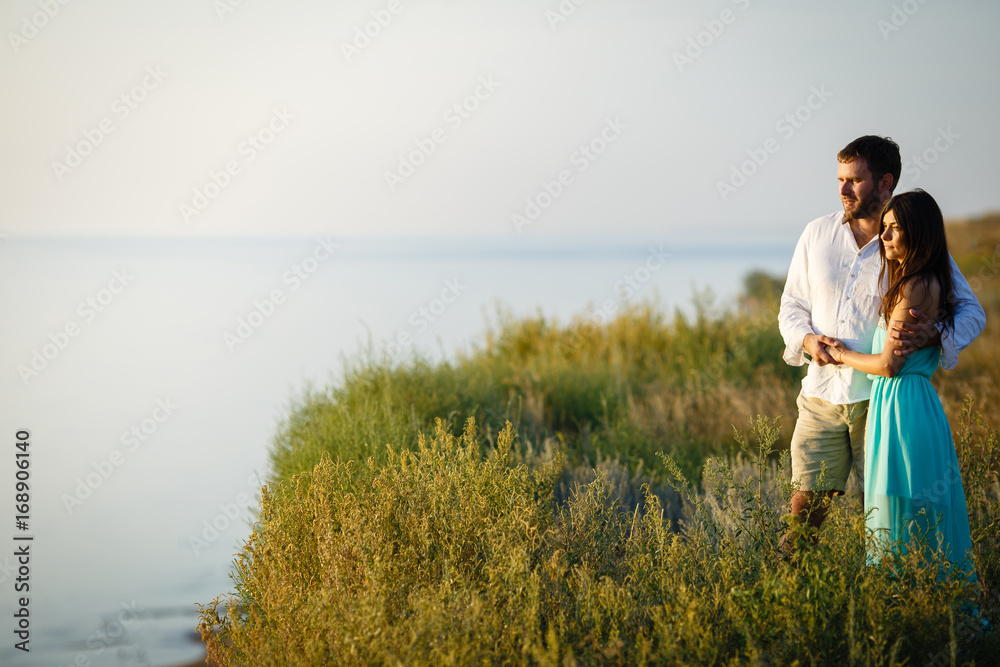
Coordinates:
(770, 234)
(364, 248)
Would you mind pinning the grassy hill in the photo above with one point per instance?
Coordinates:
(573, 493)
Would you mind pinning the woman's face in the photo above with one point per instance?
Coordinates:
(892, 237)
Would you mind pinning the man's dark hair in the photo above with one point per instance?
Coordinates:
(880, 153)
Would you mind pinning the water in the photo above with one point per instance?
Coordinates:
(150, 406)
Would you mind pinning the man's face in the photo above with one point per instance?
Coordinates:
(858, 190)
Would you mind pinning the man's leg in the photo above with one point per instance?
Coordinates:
(807, 507)
(821, 462)
(811, 506)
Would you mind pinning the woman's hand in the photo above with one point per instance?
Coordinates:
(836, 350)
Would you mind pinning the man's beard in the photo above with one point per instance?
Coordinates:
(868, 207)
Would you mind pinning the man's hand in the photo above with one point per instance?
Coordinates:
(908, 337)
(816, 347)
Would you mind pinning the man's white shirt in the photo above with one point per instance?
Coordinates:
(833, 289)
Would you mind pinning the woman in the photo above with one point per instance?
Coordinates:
(913, 488)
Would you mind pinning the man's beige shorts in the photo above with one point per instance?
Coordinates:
(830, 434)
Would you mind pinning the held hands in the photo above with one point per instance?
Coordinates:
(818, 348)
(909, 337)
(837, 350)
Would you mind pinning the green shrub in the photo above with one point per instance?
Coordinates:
(456, 553)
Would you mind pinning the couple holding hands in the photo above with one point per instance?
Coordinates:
(876, 302)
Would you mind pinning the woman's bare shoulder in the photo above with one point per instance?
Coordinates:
(924, 294)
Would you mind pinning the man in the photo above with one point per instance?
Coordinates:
(833, 291)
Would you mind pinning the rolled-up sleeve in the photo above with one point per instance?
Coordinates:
(970, 320)
(795, 312)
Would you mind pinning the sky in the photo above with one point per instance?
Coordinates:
(497, 120)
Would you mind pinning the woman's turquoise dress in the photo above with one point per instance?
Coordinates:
(913, 485)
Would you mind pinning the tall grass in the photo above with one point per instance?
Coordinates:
(634, 386)
(595, 508)
(627, 389)
(456, 554)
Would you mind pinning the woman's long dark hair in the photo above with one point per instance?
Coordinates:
(925, 254)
